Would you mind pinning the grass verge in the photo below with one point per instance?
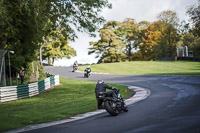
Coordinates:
(72, 97)
(148, 68)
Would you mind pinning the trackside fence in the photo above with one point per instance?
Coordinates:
(10, 93)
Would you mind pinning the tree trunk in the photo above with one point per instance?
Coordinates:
(49, 60)
(53, 61)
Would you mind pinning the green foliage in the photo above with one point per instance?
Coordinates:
(118, 40)
(137, 41)
(57, 46)
(168, 27)
(192, 42)
(32, 68)
(194, 12)
(167, 44)
(110, 48)
(24, 24)
(190, 37)
(130, 33)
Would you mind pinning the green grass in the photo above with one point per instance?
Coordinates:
(71, 98)
(148, 68)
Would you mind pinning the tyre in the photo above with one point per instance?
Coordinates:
(125, 108)
(109, 109)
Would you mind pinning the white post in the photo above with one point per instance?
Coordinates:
(186, 51)
(177, 52)
(9, 68)
(183, 54)
(4, 79)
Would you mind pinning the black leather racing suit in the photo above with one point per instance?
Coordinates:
(88, 70)
(101, 87)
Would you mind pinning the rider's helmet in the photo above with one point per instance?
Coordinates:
(100, 81)
(88, 66)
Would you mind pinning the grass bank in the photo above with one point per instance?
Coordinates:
(72, 97)
(148, 68)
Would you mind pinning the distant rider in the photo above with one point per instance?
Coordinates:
(75, 66)
(88, 70)
(101, 87)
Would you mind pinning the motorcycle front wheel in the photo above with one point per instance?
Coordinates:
(125, 108)
(111, 110)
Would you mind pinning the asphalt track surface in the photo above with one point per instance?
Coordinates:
(172, 107)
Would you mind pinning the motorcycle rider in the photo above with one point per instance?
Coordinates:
(101, 87)
(75, 65)
(88, 70)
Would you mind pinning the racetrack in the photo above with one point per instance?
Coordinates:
(173, 106)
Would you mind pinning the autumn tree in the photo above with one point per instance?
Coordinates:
(150, 41)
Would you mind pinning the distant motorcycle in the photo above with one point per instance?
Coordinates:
(113, 104)
(75, 68)
(86, 74)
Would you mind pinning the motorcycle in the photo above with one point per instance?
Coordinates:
(113, 103)
(86, 74)
(75, 68)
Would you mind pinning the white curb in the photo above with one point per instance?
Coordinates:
(141, 93)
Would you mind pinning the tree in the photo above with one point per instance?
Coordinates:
(192, 42)
(109, 48)
(25, 23)
(194, 12)
(150, 41)
(128, 32)
(57, 46)
(119, 40)
(131, 34)
(169, 30)
(169, 17)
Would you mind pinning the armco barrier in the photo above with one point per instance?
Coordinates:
(10, 93)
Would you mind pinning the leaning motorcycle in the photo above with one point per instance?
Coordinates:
(113, 103)
(86, 74)
(75, 68)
